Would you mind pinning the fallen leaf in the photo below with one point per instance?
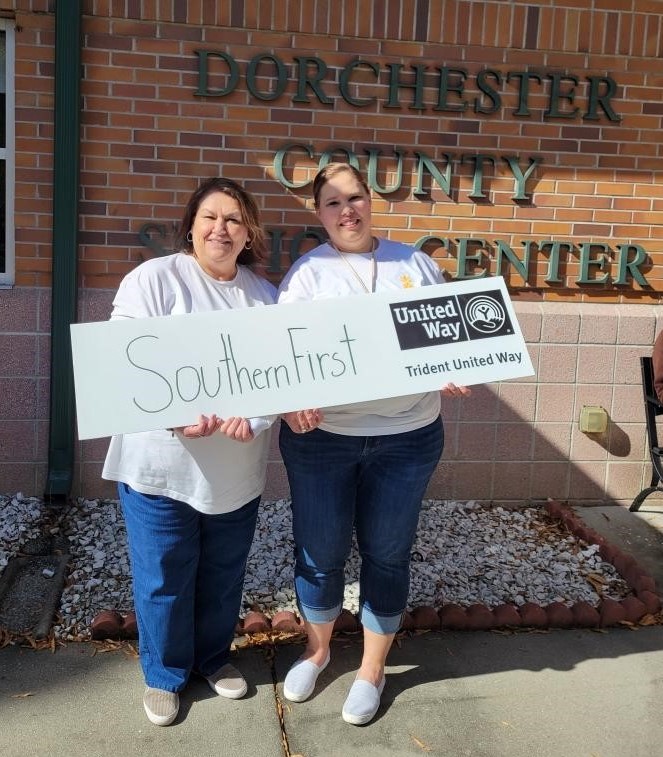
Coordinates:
(423, 746)
(628, 624)
(597, 583)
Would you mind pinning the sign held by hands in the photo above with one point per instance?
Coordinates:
(145, 374)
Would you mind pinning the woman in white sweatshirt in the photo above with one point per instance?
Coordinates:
(364, 465)
(190, 496)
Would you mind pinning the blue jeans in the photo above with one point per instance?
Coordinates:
(374, 483)
(188, 573)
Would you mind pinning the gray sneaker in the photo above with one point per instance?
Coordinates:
(301, 678)
(363, 702)
(161, 706)
(228, 682)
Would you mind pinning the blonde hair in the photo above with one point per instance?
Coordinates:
(328, 172)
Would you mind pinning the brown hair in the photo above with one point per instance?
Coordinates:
(255, 243)
(328, 172)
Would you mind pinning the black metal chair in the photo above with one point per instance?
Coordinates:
(653, 408)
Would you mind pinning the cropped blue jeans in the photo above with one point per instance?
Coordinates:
(188, 572)
(374, 484)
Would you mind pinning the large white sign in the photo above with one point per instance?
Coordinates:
(151, 373)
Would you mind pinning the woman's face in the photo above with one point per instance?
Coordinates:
(219, 235)
(344, 210)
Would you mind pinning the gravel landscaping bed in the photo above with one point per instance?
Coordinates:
(465, 553)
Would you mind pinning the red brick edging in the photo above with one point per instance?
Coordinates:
(644, 600)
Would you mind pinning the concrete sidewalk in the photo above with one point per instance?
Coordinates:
(572, 693)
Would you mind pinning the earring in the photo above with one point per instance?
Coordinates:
(189, 237)
(247, 246)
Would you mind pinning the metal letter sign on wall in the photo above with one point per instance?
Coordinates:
(440, 90)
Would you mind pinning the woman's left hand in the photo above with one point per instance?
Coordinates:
(205, 427)
(451, 390)
(235, 428)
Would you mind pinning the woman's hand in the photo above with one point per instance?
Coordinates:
(301, 421)
(451, 390)
(205, 427)
(235, 428)
(238, 429)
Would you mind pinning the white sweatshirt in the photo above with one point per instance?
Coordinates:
(323, 273)
(212, 474)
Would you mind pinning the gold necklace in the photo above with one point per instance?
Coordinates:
(374, 266)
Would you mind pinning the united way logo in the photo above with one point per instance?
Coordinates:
(485, 315)
(450, 320)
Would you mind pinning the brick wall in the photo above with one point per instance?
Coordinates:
(147, 140)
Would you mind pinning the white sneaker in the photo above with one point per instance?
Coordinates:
(363, 702)
(300, 680)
